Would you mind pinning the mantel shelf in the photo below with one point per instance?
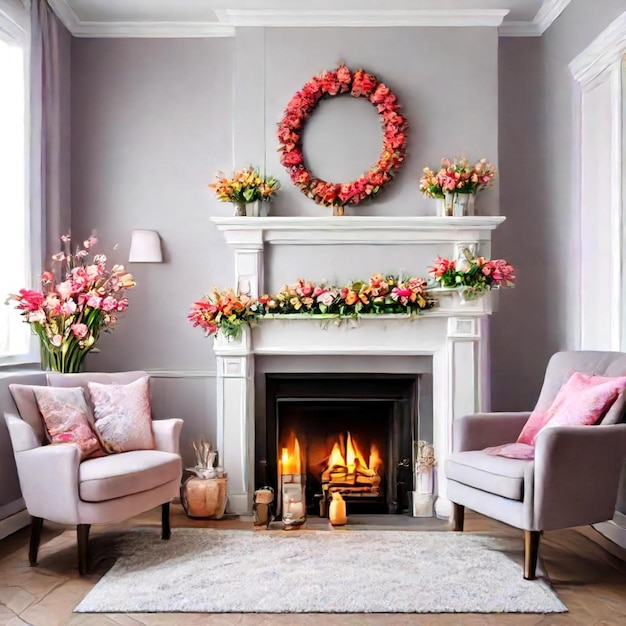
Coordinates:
(377, 230)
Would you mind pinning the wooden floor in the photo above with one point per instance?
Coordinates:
(587, 572)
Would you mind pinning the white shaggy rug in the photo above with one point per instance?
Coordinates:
(240, 571)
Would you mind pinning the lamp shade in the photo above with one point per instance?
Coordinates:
(145, 247)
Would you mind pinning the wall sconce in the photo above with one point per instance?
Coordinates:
(145, 247)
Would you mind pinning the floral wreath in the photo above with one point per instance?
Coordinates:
(300, 108)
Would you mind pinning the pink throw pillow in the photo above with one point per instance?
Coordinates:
(123, 415)
(65, 414)
(581, 401)
(513, 451)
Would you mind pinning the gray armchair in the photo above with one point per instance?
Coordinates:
(573, 479)
(56, 485)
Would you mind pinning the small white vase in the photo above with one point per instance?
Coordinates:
(257, 209)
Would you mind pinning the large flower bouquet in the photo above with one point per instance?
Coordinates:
(473, 274)
(245, 186)
(77, 301)
(456, 176)
(222, 310)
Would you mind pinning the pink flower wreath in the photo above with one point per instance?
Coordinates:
(300, 108)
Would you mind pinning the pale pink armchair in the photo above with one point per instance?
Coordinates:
(573, 479)
(58, 487)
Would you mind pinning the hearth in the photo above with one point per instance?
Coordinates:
(346, 433)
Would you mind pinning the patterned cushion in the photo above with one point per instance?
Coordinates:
(123, 415)
(581, 401)
(65, 414)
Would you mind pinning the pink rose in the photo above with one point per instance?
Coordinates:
(80, 331)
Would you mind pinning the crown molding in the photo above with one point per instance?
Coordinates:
(519, 29)
(153, 29)
(231, 18)
(604, 52)
(547, 14)
(65, 13)
(361, 18)
(79, 28)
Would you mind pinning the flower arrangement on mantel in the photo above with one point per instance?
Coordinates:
(78, 300)
(456, 183)
(472, 275)
(457, 176)
(245, 186)
(227, 312)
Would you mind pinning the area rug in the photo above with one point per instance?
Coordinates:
(240, 571)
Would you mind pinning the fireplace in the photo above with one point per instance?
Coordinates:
(454, 336)
(347, 433)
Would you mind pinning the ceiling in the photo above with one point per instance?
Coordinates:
(178, 18)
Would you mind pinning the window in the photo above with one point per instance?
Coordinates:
(15, 269)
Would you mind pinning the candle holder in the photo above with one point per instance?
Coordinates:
(293, 499)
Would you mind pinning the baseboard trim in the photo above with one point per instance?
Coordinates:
(13, 523)
(614, 531)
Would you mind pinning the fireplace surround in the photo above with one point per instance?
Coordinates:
(454, 335)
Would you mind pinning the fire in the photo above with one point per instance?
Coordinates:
(290, 458)
(348, 470)
(376, 461)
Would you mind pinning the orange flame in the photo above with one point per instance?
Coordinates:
(354, 458)
(376, 461)
(290, 458)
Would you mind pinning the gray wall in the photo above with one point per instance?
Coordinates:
(151, 124)
(153, 120)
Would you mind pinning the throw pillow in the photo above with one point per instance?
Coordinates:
(123, 415)
(513, 451)
(581, 401)
(615, 414)
(65, 414)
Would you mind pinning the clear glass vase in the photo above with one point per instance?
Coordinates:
(462, 203)
(63, 361)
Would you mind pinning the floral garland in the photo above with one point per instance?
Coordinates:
(300, 108)
(227, 312)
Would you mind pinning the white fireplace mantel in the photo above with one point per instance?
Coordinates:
(253, 232)
(455, 333)
(249, 235)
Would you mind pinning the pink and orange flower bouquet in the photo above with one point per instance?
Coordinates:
(77, 301)
(457, 176)
(474, 275)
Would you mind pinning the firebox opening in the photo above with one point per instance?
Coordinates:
(340, 446)
(346, 433)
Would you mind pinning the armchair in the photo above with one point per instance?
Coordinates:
(573, 479)
(56, 485)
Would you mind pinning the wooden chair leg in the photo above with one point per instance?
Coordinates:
(531, 552)
(36, 523)
(82, 532)
(166, 531)
(458, 516)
